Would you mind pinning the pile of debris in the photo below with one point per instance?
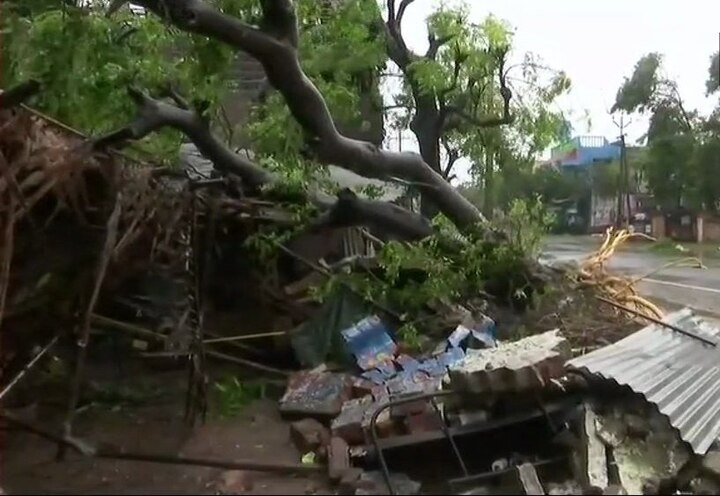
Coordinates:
(641, 416)
(103, 243)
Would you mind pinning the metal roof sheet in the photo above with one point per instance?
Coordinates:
(676, 372)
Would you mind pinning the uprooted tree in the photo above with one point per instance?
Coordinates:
(505, 271)
(141, 50)
(454, 269)
(274, 44)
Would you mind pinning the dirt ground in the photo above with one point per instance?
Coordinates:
(155, 426)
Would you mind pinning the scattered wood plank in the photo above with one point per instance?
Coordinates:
(529, 479)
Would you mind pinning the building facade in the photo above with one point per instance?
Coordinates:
(583, 151)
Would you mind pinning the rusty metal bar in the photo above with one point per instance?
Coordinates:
(491, 474)
(658, 322)
(449, 436)
(113, 453)
(376, 441)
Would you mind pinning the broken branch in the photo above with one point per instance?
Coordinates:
(156, 114)
(29, 366)
(18, 94)
(275, 49)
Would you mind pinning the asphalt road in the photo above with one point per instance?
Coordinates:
(673, 288)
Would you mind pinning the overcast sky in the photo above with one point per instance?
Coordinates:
(597, 44)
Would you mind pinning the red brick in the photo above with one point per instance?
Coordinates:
(349, 481)
(236, 481)
(427, 421)
(349, 424)
(309, 435)
(338, 458)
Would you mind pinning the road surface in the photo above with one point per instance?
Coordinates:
(673, 288)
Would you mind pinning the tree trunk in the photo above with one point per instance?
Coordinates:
(348, 210)
(274, 45)
(424, 126)
(489, 184)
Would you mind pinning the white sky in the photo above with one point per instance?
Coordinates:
(597, 42)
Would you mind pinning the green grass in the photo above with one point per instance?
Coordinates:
(233, 395)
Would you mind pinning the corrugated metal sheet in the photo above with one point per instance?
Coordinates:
(677, 373)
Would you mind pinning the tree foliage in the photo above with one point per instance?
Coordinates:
(713, 80)
(86, 61)
(639, 91)
(463, 98)
(680, 166)
(84, 85)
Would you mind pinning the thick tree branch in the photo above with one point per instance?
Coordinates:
(397, 49)
(276, 52)
(347, 211)
(457, 67)
(404, 4)
(453, 155)
(154, 115)
(435, 44)
(18, 94)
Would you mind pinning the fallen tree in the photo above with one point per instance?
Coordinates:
(274, 45)
(347, 211)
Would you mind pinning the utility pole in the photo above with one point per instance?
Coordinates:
(623, 178)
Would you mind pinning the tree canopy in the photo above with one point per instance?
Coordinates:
(464, 98)
(682, 144)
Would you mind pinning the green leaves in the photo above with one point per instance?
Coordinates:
(713, 81)
(430, 75)
(86, 62)
(497, 32)
(449, 23)
(639, 91)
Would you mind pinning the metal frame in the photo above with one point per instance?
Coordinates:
(544, 412)
(403, 401)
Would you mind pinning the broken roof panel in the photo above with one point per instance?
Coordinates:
(676, 372)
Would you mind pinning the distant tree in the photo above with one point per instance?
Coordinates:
(463, 98)
(671, 133)
(713, 81)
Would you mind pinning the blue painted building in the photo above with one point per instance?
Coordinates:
(576, 156)
(582, 151)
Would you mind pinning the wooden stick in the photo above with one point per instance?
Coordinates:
(220, 356)
(326, 272)
(243, 337)
(247, 363)
(29, 366)
(7, 255)
(148, 334)
(658, 321)
(205, 462)
(110, 241)
(126, 327)
(113, 453)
